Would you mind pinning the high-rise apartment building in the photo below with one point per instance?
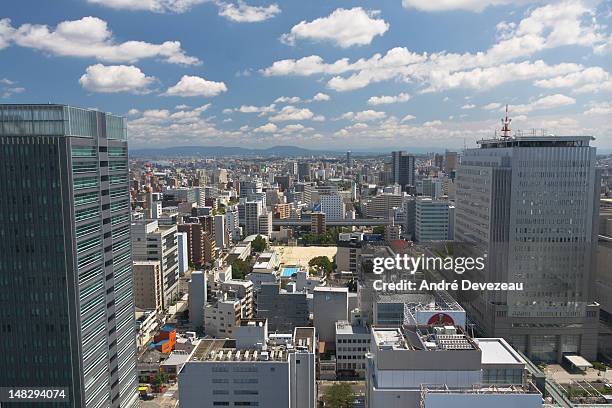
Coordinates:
(403, 169)
(66, 291)
(530, 203)
(154, 242)
(333, 206)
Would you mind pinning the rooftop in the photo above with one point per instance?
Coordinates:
(536, 141)
(497, 351)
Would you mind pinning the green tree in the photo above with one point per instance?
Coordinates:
(321, 264)
(241, 268)
(339, 395)
(379, 229)
(259, 244)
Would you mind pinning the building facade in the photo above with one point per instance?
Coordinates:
(66, 267)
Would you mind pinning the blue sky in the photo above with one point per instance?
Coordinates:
(351, 74)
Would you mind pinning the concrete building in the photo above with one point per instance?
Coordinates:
(148, 285)
(333, 206)
(252, 211)
(330, 304)
(222, 317)
(197, 298)
(264, 226)
(531, 204)
(382, 205)
(432, 222)
(282, 309)
(435, 367)
(352, 345)
(318, 223)
(253, 370)
(183, 255)
(154, 242)
(66, 285)
(221, 231)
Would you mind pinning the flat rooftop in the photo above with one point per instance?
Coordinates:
(343, 327)
(496, 351)
(439, 338)
(536, 141)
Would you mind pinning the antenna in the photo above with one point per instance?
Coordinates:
(506, 124)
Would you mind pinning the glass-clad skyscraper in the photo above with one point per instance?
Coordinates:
(66, 300)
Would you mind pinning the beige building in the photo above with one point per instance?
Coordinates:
(148, 285)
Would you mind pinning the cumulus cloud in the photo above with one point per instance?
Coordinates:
(195, 86)
(267, 128)
(592, 79)
(8, 88)
(408, 118)
(157, 6)
(255, 109)
(492, 106)
(468, 106)
(546, 102)
(554, 25)
(343, 27)
(384, 100)
(288, 99)
(289, 113)
(467, 5)
(115, 78)
(364, 116)
(243, 13)
(90, 37)
(599, 108)
(320, 97)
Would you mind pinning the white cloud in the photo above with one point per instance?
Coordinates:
(288, 99)
(243, 13)
(447, 5)
(600, 108)
(115, 78)
(292, 113)
(468, 106)
(295, 129)
(255, 109)
(492, 106)
(157, 6)
(364, 116)
(592, 79)
(267, 128)
(6, 32)
(318, 118)
(408, 118)
(546, 102)
(133, 112)
(554, 25)
(343, 27)
(196, 86)
(384, 100)
(432, 123)
(90, 37)
(320, 97)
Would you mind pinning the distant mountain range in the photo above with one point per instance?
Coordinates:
(282, 151)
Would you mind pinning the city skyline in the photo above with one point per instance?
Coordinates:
(364, 75)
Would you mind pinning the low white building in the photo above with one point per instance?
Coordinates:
(352, 345)
(253, 370)
(435, 367)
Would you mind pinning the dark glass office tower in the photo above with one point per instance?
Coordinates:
(403, 169)
(66, 300)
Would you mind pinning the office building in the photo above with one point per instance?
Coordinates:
(221, 232)
(333, 206)
(330, 304)
(255, 369)
(183, 255)
(352, 345)
(66, 285)
(282, 309)
(154, 242)
(252, 211)
(197, 299)
(403, 169)
(531, 203)
(440, 366)
(349, 159)
(432, 222)
(382, 205)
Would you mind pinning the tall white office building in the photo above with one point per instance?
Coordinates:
(531, 204)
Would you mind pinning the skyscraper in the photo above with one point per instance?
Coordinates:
(66, 290)
(349, 159)
(402, 169)
(531, 203)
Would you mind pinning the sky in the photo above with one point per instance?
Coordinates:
(321, 74)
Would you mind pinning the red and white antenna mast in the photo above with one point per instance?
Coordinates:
(506, 125)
